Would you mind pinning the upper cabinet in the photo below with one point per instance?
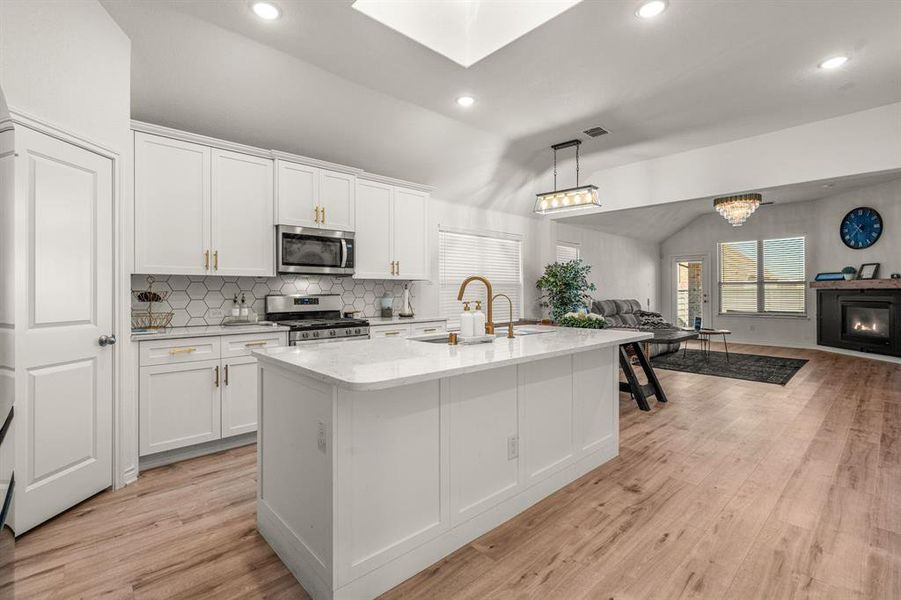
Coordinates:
(391, 238)
(172, 206)
(201, 210)
(314, 197)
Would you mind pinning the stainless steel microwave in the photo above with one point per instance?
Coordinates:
(314, 251)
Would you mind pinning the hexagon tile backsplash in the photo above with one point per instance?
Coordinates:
(192, 297)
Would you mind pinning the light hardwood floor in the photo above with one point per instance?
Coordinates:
(733, 490)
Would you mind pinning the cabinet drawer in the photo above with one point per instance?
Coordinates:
(429, 328)
(165, 352)
(234, 346)
(390, 331)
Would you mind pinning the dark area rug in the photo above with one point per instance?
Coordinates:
(751, 367)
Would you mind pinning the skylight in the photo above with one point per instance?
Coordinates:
(465, 31)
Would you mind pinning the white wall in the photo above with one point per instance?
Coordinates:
(621, 267)
(818, 220)
(862, 142)
(66, 62)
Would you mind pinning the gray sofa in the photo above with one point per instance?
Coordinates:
(628, 314)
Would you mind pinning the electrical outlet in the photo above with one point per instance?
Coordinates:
(215, 313)
(512, 447)
(320, 440)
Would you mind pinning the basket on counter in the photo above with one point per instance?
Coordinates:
(147, 318)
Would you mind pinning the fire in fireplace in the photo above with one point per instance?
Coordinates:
(864, 320)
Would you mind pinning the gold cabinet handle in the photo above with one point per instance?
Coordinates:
(206, 260)
(430, 330)
(226, 374)
(217, 375)
(182, 350)
(216, 260)
(391, 333)
(323, 215)
(398, 268)
(317, 214)
(253, 344)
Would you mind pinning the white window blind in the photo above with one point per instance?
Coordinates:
(567, 252)
(497, 258)
(763, 277)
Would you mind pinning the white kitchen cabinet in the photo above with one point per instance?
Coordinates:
(179, 405)
(389, 331)
(314, 197)
(404, 330)
(200, 389)
(239, 396)
(298, 194)
(374, 251)
(337, 193)
(172, 206)
(242, 238)
(201, 211)
(392, 232)
(410, 230)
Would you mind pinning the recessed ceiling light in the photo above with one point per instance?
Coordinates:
(651, 9)
(266, 11)
(466, 101)
(834, 62)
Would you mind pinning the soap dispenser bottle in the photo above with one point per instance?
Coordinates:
(245, 312)
(478, 320)
(467, 328)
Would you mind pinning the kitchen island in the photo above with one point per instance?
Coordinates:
(377, 458)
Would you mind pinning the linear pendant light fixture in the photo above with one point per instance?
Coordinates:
(581, 196)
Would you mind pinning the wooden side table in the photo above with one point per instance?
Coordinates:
(704, 336)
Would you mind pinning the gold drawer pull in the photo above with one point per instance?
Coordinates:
(430, 330)
(217, 375)
(182, 350)
(387, 333)
(253, 344)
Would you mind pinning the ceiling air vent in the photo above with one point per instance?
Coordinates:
(596, 132)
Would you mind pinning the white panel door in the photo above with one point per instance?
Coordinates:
(239, 396)
(298, 194)
(483, 430)
(373, 237)
(410, 234)
(243, 226)
(336, 200)
(179, 405)
(172, 206)
(63, 424)
(546, 405)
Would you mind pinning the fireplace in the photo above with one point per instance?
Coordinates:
(863, 320)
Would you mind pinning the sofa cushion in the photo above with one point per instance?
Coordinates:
(605, 308)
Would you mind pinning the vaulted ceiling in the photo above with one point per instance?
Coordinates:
(327, 81)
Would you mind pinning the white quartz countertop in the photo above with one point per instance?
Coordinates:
(402, 321)
(172, 333)
(365, 365)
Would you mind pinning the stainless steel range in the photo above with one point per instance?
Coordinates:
(314, 318)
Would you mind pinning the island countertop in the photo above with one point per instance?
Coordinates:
(365, 365)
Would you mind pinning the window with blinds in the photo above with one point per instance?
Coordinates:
(499, 258)
(763, 277)
(567, 252)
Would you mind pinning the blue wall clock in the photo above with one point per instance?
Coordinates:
(861, 228)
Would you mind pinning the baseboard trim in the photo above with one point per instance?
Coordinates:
(171, 456)
(883, 358)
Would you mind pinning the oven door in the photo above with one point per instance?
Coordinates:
(314, 251)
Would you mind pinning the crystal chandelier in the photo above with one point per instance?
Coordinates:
(570, 198)
(737, 209)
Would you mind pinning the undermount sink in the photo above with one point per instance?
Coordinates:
(500, 331)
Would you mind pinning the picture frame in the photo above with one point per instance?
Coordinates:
(868, 271)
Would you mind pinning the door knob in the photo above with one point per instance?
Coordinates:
(106, 340)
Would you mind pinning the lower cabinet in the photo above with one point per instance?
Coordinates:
(404, 330)
(239, 396)
(186, 400)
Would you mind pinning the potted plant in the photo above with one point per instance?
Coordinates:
(565, 287)
(849, 273)
(582, 320)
